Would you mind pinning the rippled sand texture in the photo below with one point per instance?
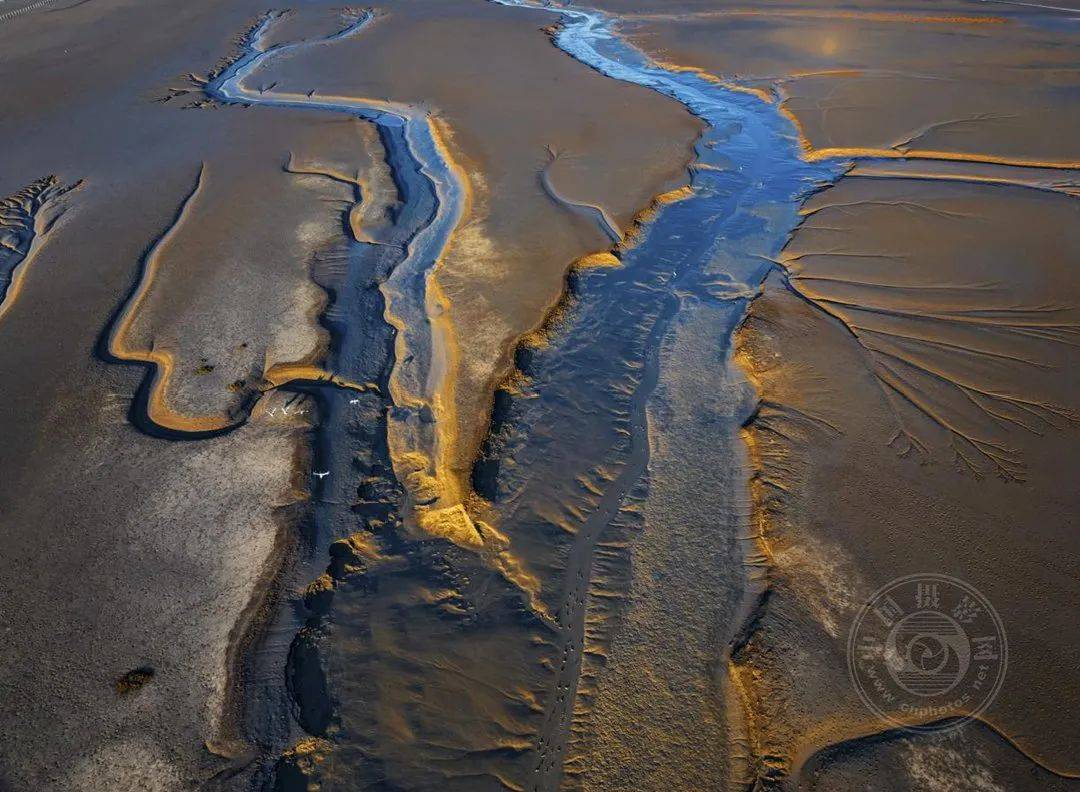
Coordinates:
(25, 219)
(196, 268)
(639, 551)
(454, 699)
(448, 254)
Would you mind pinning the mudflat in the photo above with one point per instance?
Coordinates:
(487, 394)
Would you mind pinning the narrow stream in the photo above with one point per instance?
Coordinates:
(562, 461)
(421, 165)
(378, 319)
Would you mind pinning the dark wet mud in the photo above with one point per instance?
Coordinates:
(353, 484)
(973, 758)
(725, 428)
(564, 476)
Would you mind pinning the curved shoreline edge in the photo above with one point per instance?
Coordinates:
(420, 422)
(419, 356)
(813, 757)
(581, 33)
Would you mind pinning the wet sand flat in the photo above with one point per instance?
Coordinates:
(928, 257)
(124, 550)
(204, 309)
(473, 395)
(961, 78)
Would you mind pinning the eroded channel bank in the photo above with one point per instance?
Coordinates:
(23, 224)
(466, 659)
(376, 395)
(471, 663)
(412, 304)
(644, 459)
(707, 256)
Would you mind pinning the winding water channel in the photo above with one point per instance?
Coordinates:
(434, 196)
(581, 438)
(378, 319)
(386, 669)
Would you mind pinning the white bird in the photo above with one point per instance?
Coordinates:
(354, 401)
(322, 475)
